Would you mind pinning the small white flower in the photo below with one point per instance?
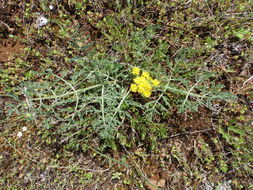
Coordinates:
(41, 21)
(20, 134)
(24, 129)
(51, 7)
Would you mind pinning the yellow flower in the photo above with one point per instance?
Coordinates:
(143, 84)
(155, 82)
(146, 75)
(147, 94)
(136, 71)
(147, 86)
(133, 87)
(141, 89)
(140, 80)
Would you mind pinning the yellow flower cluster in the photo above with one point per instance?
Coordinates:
(143, 82)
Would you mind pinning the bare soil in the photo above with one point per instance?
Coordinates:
(8, 48)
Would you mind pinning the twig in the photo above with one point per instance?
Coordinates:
(249, 79)
(188, 2)
(73, 167)
(5, 25)
(189, 133)
(109, 158)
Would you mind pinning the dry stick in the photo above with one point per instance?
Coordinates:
(5, 25)
(78, 168)
(67, 138)
(245, 82)
(112, 159)
(189, 133)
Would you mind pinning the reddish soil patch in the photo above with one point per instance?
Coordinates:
(8, 48)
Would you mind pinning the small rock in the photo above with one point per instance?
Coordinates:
(41, 21)
(51, 7)
(161, 183)
(153, 182)
(226, 185)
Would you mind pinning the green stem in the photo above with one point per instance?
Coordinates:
(67, 94)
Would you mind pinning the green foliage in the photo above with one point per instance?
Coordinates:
(238, 135)
(94, 95)
(71, 83)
